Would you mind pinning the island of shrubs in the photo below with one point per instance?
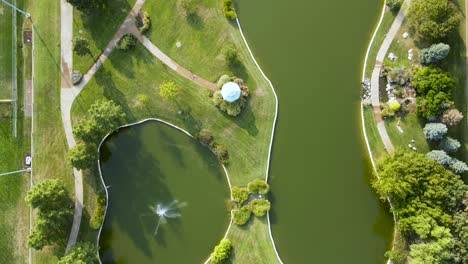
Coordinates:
(249, 200)
(234, 108)
(206, 138)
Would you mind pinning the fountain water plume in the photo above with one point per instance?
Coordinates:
(165, 212)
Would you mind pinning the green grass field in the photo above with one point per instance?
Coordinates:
(5, 51)
(98, 27)
(375, 142)
(49, 138)
(412, 129)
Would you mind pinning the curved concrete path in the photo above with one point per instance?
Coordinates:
(376, 75)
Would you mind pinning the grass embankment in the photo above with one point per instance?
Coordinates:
(5, 51)
(14, 220)
(126, 75)
(98, 26)
(375, 141)
(49, 137)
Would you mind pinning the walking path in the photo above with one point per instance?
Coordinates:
(376, 75)
(69, 92)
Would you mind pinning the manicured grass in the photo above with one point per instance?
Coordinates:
(400, 48)
(98, 26)
(128, 74)
(5, 51)
(203, 36)
(49, 138)
(412, 128)
(375, 142)
(387, 21)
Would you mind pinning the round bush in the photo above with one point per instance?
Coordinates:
(394, 106)
(458, 166)
(449, 145)
(128, 41)
(241, 216)
(240, 195)
(440, 157)
(435, 131)
(258, 186)
(223, 79)
(259, 207)
(221, 252)
(205, 137)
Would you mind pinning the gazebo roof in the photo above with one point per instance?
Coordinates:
(230, 91)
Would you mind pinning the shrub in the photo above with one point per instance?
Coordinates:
(76, 77)
(440, 157)
(394, 5)
(449, 145)
(228, 9)
(241, 216)
(232, 109)
(81, 46)
(143, 21)
(434, 53)
(452, 117)
(394, 106)
(458, 166)
(223, 79)
(240, 194)
(98, 215)
(230, 55)
(142, 99)
(435, 131)
(433, 105)
(258, 186)
(386, 111)
(259, 207)
(399, 76)
(430, 78)
(221, 153)
(128, 41)
(221, 252)
(82, 155)
(168, 90)
(205, 137)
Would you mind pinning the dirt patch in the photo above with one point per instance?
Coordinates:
(259, 91)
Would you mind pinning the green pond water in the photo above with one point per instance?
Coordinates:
(324, 210)
(152, 164)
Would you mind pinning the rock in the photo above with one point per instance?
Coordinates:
(405, 35)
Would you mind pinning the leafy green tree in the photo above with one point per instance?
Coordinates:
(48, 195)
(223, 79)
(449, 145)
(230, 55)
(81, 253)
(82, 155)
(221, 252)
(435, 131)
(127, 42)
(228, 9)
(433, 105)
(86, 130)
(240, 195)
(434, 53)
(81, 46)
(431, 78)
(394, 5)
(259, 207)
(440, 157)
(168, 90)
(434, 252)
(258, 186)
(83, 5)
(452, 117)
(434, 19)
(241, 216)
(394, 106)
(107, 115)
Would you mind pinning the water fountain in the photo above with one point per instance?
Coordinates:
(165, 212)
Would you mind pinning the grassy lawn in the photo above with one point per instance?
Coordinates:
(5, 51)
(375, 142)
(387, 21)
(400, 48)
(203, 36)
(49, 137)
(128, 74)
(98, 26)
(412, 128)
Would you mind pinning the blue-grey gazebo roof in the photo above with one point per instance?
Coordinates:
(230, 91)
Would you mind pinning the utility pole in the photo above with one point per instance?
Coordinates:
(17, 9)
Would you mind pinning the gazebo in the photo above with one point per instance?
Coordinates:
(230, 92)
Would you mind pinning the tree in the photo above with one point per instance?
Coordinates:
(394, 106)
(127, 42)
(53, 220)
(241, 216)
(228, 9)
(189, 7)
(458, 166)
(259, 207)
(221, 252)
(434, 19)
(83, 5)
(81, 46)
(168, 90)
(81, 253)
(86, 130)
(452, 117)
(82, 155)
(440, 157)
(431, 78)
(240, 195)
(223, 79)
(394, 5)
(143, 21)
(433, 105)
(221, 153)
(434, 53)
(258, 186)
(449, 145)
(230, 55)
(435, 131)
(107, 115)
(205, 137)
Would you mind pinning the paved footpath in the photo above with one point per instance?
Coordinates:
(376, 75)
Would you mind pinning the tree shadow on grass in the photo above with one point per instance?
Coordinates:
(246, 120)
(196, 21)
(239, 70)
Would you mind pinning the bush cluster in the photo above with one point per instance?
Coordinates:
(228, 9)
(98, 215)
(394, 5)
(435, 131)
(259, 207)
(143, 21)
(258, 186)
(81, 46)
(221, 252)
(240, 195)
(444, 159)
(127, 42)
(434, 53)
(241, 216)
(231, 108)
(256, 205)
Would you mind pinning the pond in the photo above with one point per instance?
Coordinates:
(152, 170)
(324, 209)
